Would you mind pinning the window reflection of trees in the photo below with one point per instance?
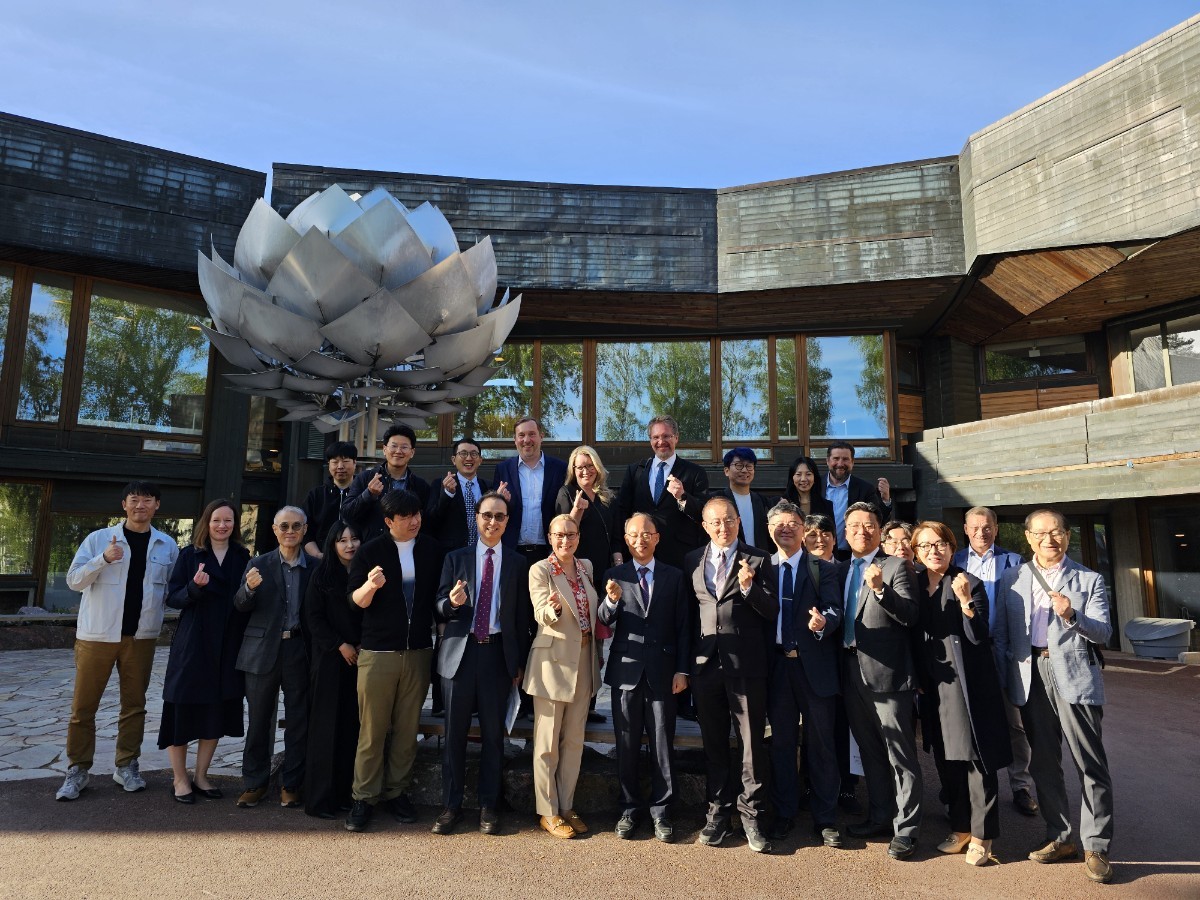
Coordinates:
(6, 285)
(509, 397)
(45, 351)
(635, 382)
(847, 387)
(745, 400)
(20, 507)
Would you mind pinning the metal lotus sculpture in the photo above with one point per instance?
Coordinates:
(354, 302)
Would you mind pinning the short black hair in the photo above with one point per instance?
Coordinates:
(399, 503)
(340, 450)
(493, 495)
(820, 522)
(141, 489)
(839, 445)
(862, 506)
(463, 440)
(400, 431)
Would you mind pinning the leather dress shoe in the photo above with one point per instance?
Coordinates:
(901, 847)
(576, 823)
(1097, 867)
(829, 835)
(1025, 803)
(210, 794)
(664, 830)
(402, 809)
(444, 823)
(596, 718)
(251, 797)
(755, 838)
(489, 820)
(869, 829)
(625, 826)
(360, 815)
(556, 827)
(187, 799)
(1054, 851)
(781, 828)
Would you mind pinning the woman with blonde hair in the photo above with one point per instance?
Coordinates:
(588, 500)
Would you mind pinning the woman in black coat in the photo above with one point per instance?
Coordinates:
(587, 499)
(961, 707)
(334, 627)
(202, 692)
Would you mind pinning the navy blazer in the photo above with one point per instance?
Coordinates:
(819, 656)
(655, 644)
(553, 478)
(737, 627)
(446, 517)
(515, 615)
(680, 529)
(882, 625)
(267, 605)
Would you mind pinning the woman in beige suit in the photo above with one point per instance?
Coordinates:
(562, 675)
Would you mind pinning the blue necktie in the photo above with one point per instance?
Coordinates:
(789, 615)
(472, 523)
(853, 583)
(660, 479)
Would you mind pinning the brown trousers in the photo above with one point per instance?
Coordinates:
(94, 661)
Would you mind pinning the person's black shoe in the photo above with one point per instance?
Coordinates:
(663, 830)
(188, 799)
(360, 815)
(848, 802)
(781, 827)
(689, 714)
(445, 823)
(713, 832)
(869, 829)
(402, 810)
(1025, 803)
(595, 718)
(901, 847)
(755, 838)
(489, 820)
(829, 835)
(625, 826)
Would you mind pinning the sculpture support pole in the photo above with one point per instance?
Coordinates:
(372, 425)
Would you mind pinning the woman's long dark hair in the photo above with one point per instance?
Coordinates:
(330, 574)
(817, 494)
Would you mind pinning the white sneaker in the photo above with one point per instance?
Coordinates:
(129, 777)
(77, 779)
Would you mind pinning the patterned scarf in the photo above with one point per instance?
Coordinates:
(577, 589)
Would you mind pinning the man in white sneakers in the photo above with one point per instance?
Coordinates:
(122, 572)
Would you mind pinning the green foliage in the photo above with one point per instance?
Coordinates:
(820, 393)
(20, 507)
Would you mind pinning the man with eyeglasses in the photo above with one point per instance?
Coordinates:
(879, 680)
(740, 465)
(735, 611)
(274, 656)
(987, 561)
(1051, 619)
(362, 506)
(451, 515)
(646, 606)
(484, 597)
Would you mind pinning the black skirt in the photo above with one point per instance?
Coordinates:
(183, 723)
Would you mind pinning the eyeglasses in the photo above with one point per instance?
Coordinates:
(641, 535)
(940, 546)
(781, 524)
(401, 449)
(290, 526)
(468, 454)
(742, 466)
(1057, 534)
(563, 535)
(717, 523)
(586, 467)
(899, 542)
(493, 517)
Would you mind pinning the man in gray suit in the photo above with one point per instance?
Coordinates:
(878, 680)
(1051, 619)
(273, 656)
(987, 561)
(647, 607)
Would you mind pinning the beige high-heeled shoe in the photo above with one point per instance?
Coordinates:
(955, 843)
(979, 853)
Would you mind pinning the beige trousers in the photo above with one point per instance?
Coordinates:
(391, 689)
(558, 729)
(94, 661)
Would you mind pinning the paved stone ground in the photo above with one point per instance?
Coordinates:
(112, 844)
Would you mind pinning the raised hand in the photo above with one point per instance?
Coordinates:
(376, 485)
(114, 551)
(458, 595)
(555, 602)
(581, 503)
(885, 489)
(1062, 606)
(873, 577)
(816, 621)
(503, 491)
(201, 577)
(253, 579)
(376, 578)
(675, 487)
(962, 590)
(613, 590)
(450, 483)
(745, 574)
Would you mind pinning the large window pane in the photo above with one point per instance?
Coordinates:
(785, 386)
(562, 391)
(20, 509)
(146, 363)
(1148, 371)
(847, 387)
(745, 398)
(45, 349)
(6, 284)
(1174, 537)
(1035, 359)
(264, 436)
(635, 382)
(508, 397)
(1183, 350)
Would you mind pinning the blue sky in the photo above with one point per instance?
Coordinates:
(689, 94)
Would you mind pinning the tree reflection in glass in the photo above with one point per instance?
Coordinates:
(45, 349)
(635, 382)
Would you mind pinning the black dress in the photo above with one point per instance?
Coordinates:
(331, 619)
(599, 536)
(202, 691)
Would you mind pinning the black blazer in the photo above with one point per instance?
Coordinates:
(385, 623)
(446, 517)
(361, 507)
(729, 625)
(882, 625)
(762, 540)
(599, 534)
(267, 605)
(656, 645)
(820, 657)
(681, 532)
(864, 491)
(516, 611)
(552, 479)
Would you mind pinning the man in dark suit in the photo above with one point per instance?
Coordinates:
(530, 482)
(671, 489)
(740, 465)
(735, 609)
(362, 507)
(323, 505)
(843, 489)
(647, 608)
(394, 579)
(273, 656)
(878, 680)
(804, 678)
(450, 517)
(484, 598)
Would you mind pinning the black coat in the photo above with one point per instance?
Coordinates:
(386, 624)
(762, 540)
(737, 630)
(680, 528)
(658, 644)
(599, 533)
(200, 668)
(961, 705)
(361, 507)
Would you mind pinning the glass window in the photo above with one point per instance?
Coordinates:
(508, 397)
(264, 436)
(1148, 371)
(45, 349)
(146, 363)
(745, 394)
(6, 285)
(1175, 536)
(785, 387)
(1183, 349)
(1035, 359)
(562, 391)
(847, 387)
(635, 382)
(20, 511)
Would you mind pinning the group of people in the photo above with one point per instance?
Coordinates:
(818, 608)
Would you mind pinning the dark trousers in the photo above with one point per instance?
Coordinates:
(635, 712)
(481, 684)
(970, 794)
(723, 701)
(262, 700)
(789, 696)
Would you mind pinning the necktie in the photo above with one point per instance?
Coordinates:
(853, 583)
(469, 503)
(660, 480)
(789, 615)
(483, 606)
(642, 572)
(722, 572)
